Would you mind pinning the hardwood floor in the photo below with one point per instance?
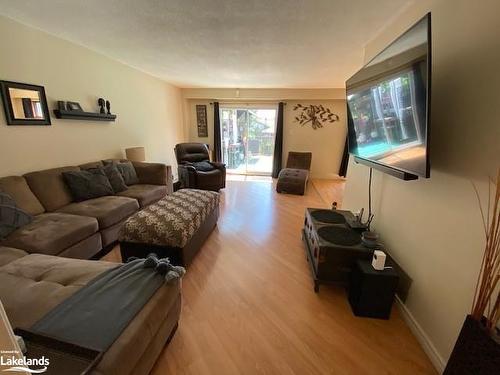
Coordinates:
(249, 305)
(329, 191)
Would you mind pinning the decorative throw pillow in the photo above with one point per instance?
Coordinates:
(203, 166)
(109, 161)
(128, 173)
(88, 184)
(11, 216)
(115, 178)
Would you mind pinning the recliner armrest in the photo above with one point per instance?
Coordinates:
(187, 174)
(187, 166)
(217, 165)
(222, 168)
(153, 173)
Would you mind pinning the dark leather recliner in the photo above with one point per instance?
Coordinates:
(195, 169)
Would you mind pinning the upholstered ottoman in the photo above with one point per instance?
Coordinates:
(175, 227)
(292, 181)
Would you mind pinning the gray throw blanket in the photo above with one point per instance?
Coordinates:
(96, 315)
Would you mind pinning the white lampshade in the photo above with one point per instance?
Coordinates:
(136, 154)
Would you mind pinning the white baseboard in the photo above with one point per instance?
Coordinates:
(429, 348)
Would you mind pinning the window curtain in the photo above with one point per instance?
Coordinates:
(217, 135)
(278, 142)
(345, 160)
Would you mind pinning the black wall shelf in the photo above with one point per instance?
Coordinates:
(86, 116)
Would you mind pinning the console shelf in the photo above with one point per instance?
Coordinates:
(86, 116)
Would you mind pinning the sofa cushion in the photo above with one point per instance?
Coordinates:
(115, 178)
(91, 165)
(153, 173)
(145, 194)
(31, 287)
(9, 254)
(52, 233)
(107, 210)
(113, 161)
(128, 173)
(11, 216)
(88, 184)
(18, 189)
(49, 187)
(34, 284)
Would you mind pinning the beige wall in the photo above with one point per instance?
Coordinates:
(149, 110)
(8, 342)
(326, 144)
(433, 226)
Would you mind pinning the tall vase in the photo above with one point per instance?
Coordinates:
(475, 352)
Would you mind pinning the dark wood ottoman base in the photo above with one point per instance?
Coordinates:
(178, 256)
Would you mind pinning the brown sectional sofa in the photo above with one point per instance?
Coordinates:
(78, 229)
(36, 274)
(32, 284)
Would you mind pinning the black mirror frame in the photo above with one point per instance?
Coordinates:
(7, 103)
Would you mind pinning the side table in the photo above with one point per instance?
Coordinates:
(371, 292)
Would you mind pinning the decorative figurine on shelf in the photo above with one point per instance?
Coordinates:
(108, 106)
(101, 103)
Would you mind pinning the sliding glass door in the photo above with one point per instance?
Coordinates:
(248, 139)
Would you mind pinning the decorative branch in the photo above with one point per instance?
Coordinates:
(486, 304)
(317, 115)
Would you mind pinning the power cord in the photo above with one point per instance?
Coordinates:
(370, 194)
(370, 214)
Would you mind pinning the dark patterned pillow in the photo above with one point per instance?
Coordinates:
(115, 178)
(88, 184)
(203, 166)
(11, 216)
(128, 173)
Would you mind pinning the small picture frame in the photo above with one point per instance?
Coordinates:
(74, 106)
(201, 120)
(61, 105)
(24, 104)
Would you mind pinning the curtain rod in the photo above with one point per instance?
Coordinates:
(236, 101)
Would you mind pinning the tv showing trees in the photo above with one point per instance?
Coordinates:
(388, 106)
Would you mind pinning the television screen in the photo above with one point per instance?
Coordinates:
(388, 105)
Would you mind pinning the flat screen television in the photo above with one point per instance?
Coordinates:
(388, 106)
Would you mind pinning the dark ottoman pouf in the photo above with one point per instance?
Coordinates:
(292, 181)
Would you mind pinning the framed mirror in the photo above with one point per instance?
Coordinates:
(24, 104)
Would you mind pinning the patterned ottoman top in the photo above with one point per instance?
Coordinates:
(171, 221)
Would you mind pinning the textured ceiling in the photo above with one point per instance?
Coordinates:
(216, 43)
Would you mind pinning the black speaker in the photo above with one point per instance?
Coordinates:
(371, 292)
